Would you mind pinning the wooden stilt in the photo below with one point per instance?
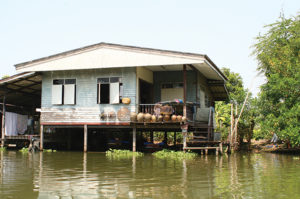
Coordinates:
(184, 90)
(166, 138)
(134, 139)
(221, 148)
(85, 138)
(174, 138)
(3, 124)
(184, 139)
(217, 151)
(41, 137)
(151, 136)
(206, 151)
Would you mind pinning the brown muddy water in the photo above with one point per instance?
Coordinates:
(93, 175)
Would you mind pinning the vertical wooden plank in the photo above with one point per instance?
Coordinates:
(184, 90)
(134, 139)
(221, 148)
(3, 124)
(85, 138)
(41, 137)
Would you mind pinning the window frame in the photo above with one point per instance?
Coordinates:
(110, 81)
(63, 83)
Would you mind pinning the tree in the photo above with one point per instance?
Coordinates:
(278, 55)
(237, 95)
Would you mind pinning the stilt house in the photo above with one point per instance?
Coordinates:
(109, 87)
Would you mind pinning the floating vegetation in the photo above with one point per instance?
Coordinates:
(49, 150)
(165, 154)
(117, 153)
(24, 150)
(2, 149)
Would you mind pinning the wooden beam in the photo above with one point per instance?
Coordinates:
(42, 137)
(3, 124)
(85, 138)
(184, 90)
(134, 139)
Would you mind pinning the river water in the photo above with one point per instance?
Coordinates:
(93, 175)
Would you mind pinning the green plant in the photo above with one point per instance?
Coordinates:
(2, 149)
(117, 153)
(164, 154)
(24, 150)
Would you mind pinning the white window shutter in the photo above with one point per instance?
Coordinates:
(69, 94)
(57, 94)
(114, 93)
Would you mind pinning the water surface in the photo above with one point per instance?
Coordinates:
(93, 175)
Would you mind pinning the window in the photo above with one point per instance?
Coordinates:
(109, 90)
(172, 85)
(64, 91)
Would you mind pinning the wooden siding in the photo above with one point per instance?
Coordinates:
(174, 76)
(86, 109)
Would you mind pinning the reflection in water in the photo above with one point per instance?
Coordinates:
(92, 175)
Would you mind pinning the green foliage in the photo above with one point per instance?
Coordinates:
(24, 150)
(49, 150)
(120, 154)
(5, 76)
(278, 53)
(237, 95)
(2, 149)
(178, 155)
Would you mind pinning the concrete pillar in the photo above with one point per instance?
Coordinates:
(134, 139)
(41, 137)
(85, 138)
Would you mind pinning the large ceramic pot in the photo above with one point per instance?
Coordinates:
(184, 119)
(140, 117)
(153, 118)
(160, 118)
(133, 116)
(166, 118)
(173, 118)
(179, 118)
(147, 117)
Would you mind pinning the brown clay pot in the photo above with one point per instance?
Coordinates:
(133, 116)
(166, 118)
(147, 117)
(184, 119)
(179, 118)
(160, 118)
(153, 118)
(126, 100)
(173, 118)
(140, 117)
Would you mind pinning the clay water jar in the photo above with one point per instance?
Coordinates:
(179, 118)
(183, 119)
(140, 117)
(160, 118)
(166, 118)
(133, 116)
(147, 117)
(153, 118)
(173, 118)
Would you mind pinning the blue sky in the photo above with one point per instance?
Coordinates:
(224, 30)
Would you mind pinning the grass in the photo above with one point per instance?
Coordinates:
(117, 153)
(179, 155)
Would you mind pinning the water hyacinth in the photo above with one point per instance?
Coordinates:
(117, 153)
(165, 154)
(2, 149)
(24, 150)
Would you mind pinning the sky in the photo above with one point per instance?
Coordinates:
(224, 30)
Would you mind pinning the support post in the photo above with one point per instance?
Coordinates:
(41, 137)
(166, 138)
(184, 139)
(221, 148)
(3, 124)
(151, 136)
(85, 138)
(175, 139)
(134, 139)
(184, 91)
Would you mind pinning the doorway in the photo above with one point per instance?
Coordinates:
(145, 92)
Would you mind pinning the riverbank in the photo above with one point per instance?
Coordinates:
(265, 146)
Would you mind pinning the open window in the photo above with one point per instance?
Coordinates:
(64, 91)
(109, 90)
